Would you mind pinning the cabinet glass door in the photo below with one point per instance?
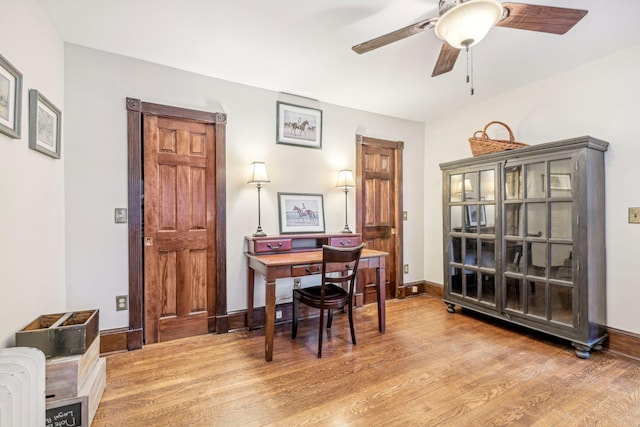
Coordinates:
(538, 246)
(472, 236)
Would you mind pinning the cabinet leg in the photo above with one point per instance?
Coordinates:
(582, 351)
(451, 308)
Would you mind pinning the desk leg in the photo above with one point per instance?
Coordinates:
(250, 286)
(381, 289)
(269, 320)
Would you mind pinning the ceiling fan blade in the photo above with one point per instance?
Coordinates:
(446, 60)
(394, 36)
(546, 19)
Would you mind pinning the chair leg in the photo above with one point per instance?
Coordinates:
(294, 319)
(351, 325)
(320, 333)
(329, 318)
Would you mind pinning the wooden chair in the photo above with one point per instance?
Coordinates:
(331, 293)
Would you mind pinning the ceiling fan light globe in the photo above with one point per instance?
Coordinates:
(468, 23)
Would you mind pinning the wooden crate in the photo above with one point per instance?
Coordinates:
(61, 334)
(80, 410)
(66, 375)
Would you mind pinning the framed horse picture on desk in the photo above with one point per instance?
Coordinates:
(300, 213)
(297, 125)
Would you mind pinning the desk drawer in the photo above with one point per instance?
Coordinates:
(273, 245)
(305, 269)
(344, 242)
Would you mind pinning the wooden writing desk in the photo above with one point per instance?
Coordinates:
(300, 256)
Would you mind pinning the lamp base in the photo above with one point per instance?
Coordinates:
(259, 233)
(346, 229)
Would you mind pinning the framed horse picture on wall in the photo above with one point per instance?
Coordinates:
(300, 213)
(297, 125)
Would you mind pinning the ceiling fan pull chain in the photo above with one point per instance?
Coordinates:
(470, 67)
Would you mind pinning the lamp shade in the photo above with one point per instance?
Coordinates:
(467, 187)
(258, 174)
(345, 179)
(468, 23)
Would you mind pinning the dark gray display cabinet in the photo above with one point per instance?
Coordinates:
(524, 238)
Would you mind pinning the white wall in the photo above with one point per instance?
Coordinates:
(598, 99)
(96, 85)
(31, 184)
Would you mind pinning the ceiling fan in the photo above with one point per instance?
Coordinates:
(464, 23)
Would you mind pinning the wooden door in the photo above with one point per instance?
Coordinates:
(379, 207)
(179, 227)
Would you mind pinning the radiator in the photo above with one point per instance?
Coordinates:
(22, 385)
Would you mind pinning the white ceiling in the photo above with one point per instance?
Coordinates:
(304, 47)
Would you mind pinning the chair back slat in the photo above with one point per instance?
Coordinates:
(348, 258)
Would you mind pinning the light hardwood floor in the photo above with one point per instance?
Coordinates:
(431, 368)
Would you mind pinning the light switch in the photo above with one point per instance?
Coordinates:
(121, 215)
(634, 215)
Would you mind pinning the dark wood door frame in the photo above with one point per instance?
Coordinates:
(135, 110)
(398, 219)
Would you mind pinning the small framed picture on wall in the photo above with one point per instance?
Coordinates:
(297, 125)
(10, 99)
(44, 125)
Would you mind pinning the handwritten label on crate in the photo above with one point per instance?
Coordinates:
(65, 416)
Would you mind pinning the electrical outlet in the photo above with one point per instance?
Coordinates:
(414, 289)
(406, 269)
(278, 314)
(122, 302)
(296, 284)
(634, 215)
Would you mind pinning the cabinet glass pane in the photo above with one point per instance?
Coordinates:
(513, 256)
(472, 283)
(536, 220)
(513, 287)
(487, 226)
(560, 178)
(470, 252)
(561, 227)
(513, 182)
(562, 304)
(561, 262)
(513, 219)
(456, 281)
(471, 189)
(536, 178)
(476, 216)
(536, 298)
(455, 188)
(487, 185)
(537, 259)
(456, 218)
(488, 259)
(456, 249)
(488, 288)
